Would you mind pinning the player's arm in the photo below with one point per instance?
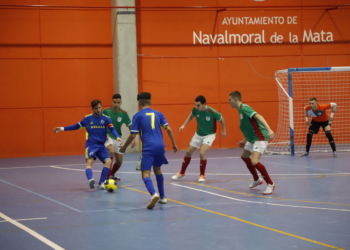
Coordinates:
(223, 127)
(334, 107)
(306, 118)
(172, 138)
(189, 118)
(114, 132)
(128, 141)
(68, 128)
(263, 122)
(133, 143)
(242, 143)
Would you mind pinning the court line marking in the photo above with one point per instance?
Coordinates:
(43, 218)
(32, 232)
(43, 196)
(259, 202)
(269, 197)
(208, 173)
(245, 221)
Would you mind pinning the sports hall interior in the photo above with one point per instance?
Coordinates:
(57, 56)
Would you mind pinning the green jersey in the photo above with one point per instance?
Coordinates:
(251, 128)
(118, 118)
(206, 120)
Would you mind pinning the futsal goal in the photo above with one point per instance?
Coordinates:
(295, 87)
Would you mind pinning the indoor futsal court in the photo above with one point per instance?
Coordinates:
(308, 210)
(257, 90)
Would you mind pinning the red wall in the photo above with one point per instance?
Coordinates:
(53, 63)
(175, 70)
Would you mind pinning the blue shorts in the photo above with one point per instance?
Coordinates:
(96, 150)
(156, 159)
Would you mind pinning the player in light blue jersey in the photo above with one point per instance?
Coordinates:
(148, 122)
(96, 125)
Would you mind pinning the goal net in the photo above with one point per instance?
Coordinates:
(295, 87)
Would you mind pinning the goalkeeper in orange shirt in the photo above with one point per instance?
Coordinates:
(319, 119)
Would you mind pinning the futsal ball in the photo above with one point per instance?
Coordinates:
(111, 185)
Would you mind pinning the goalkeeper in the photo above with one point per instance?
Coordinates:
(320, 118)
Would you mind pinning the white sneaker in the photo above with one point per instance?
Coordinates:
(153, 201)
(335, 154)
(269, 189)
(256, 183)
(202, 178)
(92, 183)
(178, 176)
(101, 187)
(163, 200)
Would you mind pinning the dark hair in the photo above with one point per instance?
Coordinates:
(313, 99)
(95, 102)
(144, 96)
(236, 94)
(144, 102)
(200, 99)
(116, 96)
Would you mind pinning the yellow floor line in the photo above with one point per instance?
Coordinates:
(248, 222)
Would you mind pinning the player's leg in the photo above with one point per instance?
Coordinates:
(327, 131)
(90, 156)
(146, 165)
(110, 147)
(313, 129)
(248, 147)
(158, 161)
(185, 163)
(118, 161)
(207, 142)
(103, 155)
(160, 184)
(88, 172)
(138, 167)
(258, 149)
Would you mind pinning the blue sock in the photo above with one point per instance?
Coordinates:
(149, 185)
(160, 184)
(88, 173)
(104, 174)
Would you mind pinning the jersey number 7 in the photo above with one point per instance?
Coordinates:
(152, 119)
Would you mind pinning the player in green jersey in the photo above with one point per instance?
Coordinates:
(204, 137)
(256, 133)
(118, 117)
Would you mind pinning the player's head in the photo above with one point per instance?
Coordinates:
(313, 103)
(201, 103)
(116, 101)
(235, 99)
(96, 106)
(144, 99)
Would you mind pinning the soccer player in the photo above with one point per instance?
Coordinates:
(96, 125)
(118, 117)
(256, 133)
(148, 123)
(319, 119)
(204, 136)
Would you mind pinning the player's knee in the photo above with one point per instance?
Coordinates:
(202, 155)
(254, 162)
(328, 134)
(310, 134)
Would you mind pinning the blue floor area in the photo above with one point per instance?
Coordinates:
(46, 204)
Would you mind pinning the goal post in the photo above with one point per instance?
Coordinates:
(295, 87)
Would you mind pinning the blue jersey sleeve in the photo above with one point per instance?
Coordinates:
(110, 127)
(76, 126)
(163, 121)
(135, 127)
